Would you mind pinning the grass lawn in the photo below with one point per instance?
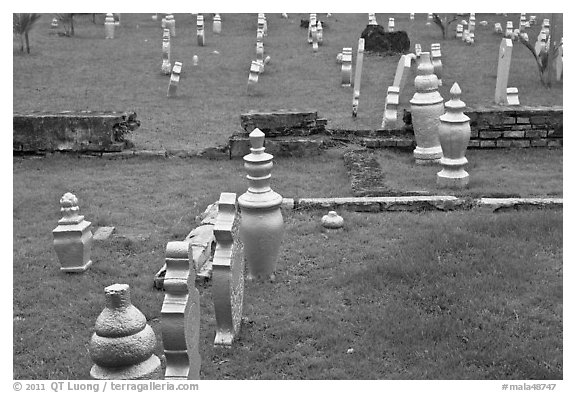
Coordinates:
(87, 72)
(462, 295)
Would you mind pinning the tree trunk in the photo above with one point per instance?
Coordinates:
(71, 24)
(21, 43)
(27, 42)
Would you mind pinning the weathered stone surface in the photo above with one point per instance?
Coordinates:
(281, 147)
(387, 43)
(103, 233)
(282, 123)
(72, 131)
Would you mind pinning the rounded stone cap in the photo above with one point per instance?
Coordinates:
(332, 220)
(120, 318)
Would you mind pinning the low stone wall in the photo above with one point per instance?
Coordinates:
(83, 131)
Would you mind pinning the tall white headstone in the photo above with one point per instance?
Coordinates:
(357, 77)
(504, 61)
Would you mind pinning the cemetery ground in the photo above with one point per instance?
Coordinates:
(88, 72)
(438, 295)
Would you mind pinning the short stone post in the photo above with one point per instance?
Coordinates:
(217, 24)
(346, 67)
(372, 19)
(412, 16)
(497, 28)
(166, 66)
(427, 106)
(472, 23)
(195, 60)
(171, 24)
(509, 29)
(417, 50)
(357, 77)
(174, 79)
(314, 32)
(200, 29)
(180, 314)
(454, 133)
(390, 118)
(522, 25)
(504, 60)
(429, 19)
(122, 346)
(436, 54)
(253, 77)
(311, 23)
(262, 226)
(228, 271)
(260, 51)
(319, 32)
(390, 25)
(109, 26)
(54, 23)
(512, 96)
(72, 237)
(459, 30)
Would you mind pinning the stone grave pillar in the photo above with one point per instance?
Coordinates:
(459, 30)
(262, 226)
(319, 32)
(454, 133)
(200, 29)
(504, 61)
(390, 25)
(497, 28)
(171, 24)
(122, 346)
(228, 271)
(166, 66)
(109, 26)
(311, 23)
(217, 24)
(427, 106)
(509, 29)
(389, 120)
(357, 77)
(72, 237)
(437, 61)
(522, 25)
(253, 77)
(174, 79)
(346, 67)
(180, 315)
(314, 32)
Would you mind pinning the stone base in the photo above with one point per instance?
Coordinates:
(77, 269)
(428, 155)
(455, 180)
(148, 369)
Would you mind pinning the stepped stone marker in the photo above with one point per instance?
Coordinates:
(166, 66)
(217, 24)
(346, 67)
(310, 24)
(174, 79)
(122, 346)
(109, 26)
(504, 61)
(390, 118)
(200, 30)
(357, 77)
(171, 25)
(180, 314)
(228, 271)
(72, 237)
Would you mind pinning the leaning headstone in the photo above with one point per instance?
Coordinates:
(436, 55)
(391, 25)
(319, 32)
(346, 67)
(426, 106)
(217, 24)
(72, 237)
(262, 225)
(200, 30)
(497, 28)
(390, 118)
(253, 77)
(174, 79)
(171, 24)
(459, 30)
(228, 271)
(180, 314)
(123, 344)
(166, 66)
(509, 29)
(402, 71)
(109, 26)
(454, 133)
(357, 77)
(504, 61)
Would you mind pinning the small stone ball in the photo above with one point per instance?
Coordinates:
(332, 220)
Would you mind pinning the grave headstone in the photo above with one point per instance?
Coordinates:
(470, 38)
(200, 30)
(123, 344)
(260, 28)
(412, 16)
(265, 28)
(560, 60)
(429, 19)
(522, 24)
(459, 30)
(262, 225)
(310, 24)
(259, 35)
(540, 43)
(117, 18)
(314, 38)
(391, 24)
(402, 71)
(217, 24)
(260, 51)
(497, 28)
(163, 24)
(174, 79)
(155, 17)
(228, 271)
(512, 96)
(54, 23)
(417, 50)
(180, 314)
(166, 66)
(253, 77)
(390, 118)
(372, 19)
(504, 61)
(509, 29)
(195, 60)
(436, 56)
(285, 15)
(454, 133)
(319, 32)
(109, 26)
(472, 23)
(426, 106)
(532, 20)
(357, 77)
(72, 237)
(171, 24)
(346, 67)
(546, 26)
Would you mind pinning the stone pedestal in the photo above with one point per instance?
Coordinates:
(72, 237)
(122, 346)
(180, 314)
(228, 271)
(262, 226)
(427, 107)
(454, 133)
(109, 26)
